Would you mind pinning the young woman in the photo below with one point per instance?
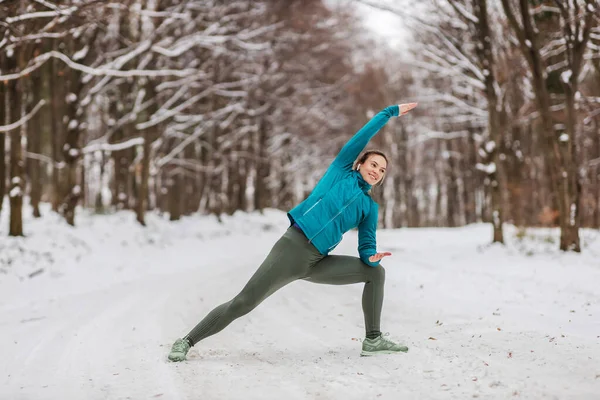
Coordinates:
(340, 201)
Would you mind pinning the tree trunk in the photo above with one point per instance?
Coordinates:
(439, 194)
(596, 175)
(142, 198)
(570, 221)
(99, 201)
(470, 185)
(486, 56)
(3, 121)
(17, 183)
(34, 144)
(261, 193)
(452, 203)
(175, 183)
(71, 155)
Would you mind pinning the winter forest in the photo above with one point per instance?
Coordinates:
(211, 107)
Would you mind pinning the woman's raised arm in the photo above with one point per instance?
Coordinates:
(359, 141)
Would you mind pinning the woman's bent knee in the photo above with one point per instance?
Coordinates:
(378, 273)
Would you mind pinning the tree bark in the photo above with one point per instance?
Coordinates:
(17, 183)
(3, 121)
(142, 198)
(58, 97)
(486, 55)
(34, 144)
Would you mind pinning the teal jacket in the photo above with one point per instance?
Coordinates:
(340, 201)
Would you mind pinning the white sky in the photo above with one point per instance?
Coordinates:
(384, 23)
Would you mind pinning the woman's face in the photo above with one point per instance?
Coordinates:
(373, 169)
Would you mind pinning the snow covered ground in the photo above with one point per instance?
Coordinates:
(91, 312)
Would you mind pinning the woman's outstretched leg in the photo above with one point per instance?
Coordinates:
(344, 270)
(289, 260)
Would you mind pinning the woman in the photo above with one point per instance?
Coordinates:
(340, 201)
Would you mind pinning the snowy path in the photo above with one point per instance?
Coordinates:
(506, 325)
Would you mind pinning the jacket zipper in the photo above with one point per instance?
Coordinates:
(334, 217)
(311, 207)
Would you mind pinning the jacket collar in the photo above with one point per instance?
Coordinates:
(364, 185)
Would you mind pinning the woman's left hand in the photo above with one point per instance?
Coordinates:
(378, 256)
(405, 108)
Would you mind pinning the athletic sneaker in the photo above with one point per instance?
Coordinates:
(381, 345)
(179, 350)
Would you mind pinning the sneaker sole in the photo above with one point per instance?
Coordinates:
(365, 353)
(176, 358)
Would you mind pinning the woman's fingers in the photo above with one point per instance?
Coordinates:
(378, 256)
(404, 108)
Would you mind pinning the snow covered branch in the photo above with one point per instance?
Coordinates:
(42, 14)
(23, 120)
(43, 158)
(113, 147)
(100, 71)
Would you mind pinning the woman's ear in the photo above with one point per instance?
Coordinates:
(358, 167)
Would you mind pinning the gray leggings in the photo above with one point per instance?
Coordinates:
(293, 258)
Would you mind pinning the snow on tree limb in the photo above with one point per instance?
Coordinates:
(41, 59)
(160, 117)
(462, 11)
(113, 147)
(48, 4)
(177, 149)
(23, 120)
(42, 14)
(43, 158)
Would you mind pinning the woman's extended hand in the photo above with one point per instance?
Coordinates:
(378, 256)
(405, 108)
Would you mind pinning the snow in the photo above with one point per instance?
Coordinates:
(81, 53)
(566, 75)
(487, 168)
(90, 312)
(496, 218)
(15, 192)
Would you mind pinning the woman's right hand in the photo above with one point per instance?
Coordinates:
(378, 256)
(405, 108)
